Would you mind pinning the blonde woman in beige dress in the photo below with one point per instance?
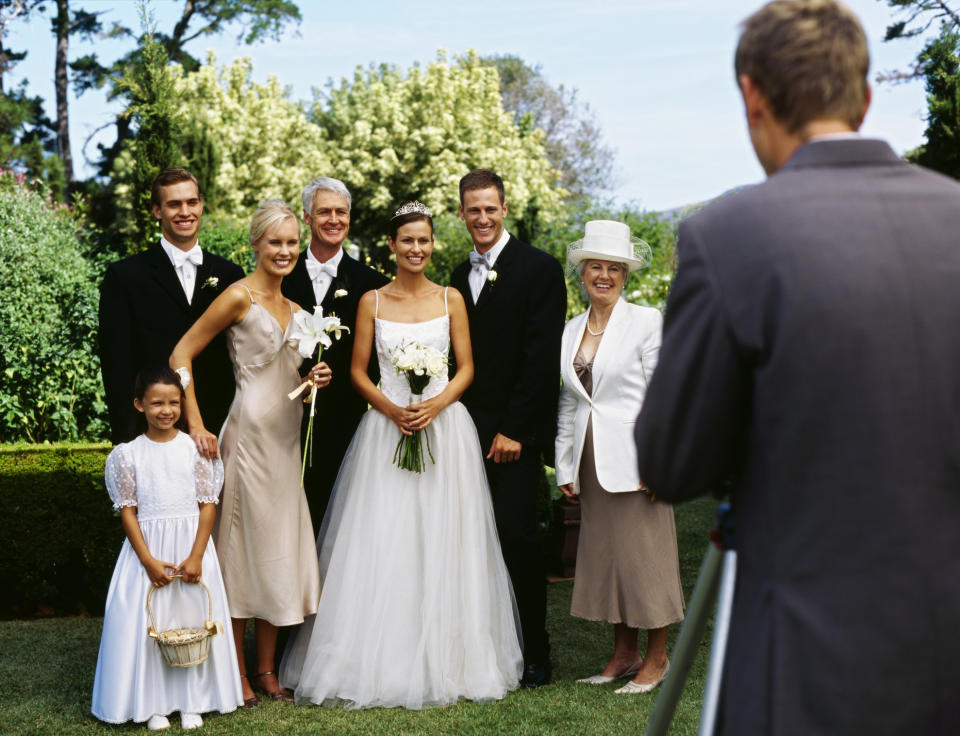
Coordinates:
(263, 532)
(627, 566)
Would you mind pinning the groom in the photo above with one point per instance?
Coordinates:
(516, 301)
(150, 299)
(325, 274)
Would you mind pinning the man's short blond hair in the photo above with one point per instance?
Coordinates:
(809, 58)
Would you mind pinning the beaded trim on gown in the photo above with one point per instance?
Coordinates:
(417, 608)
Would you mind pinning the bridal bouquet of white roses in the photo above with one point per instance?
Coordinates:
(308, 331)
(418, 363)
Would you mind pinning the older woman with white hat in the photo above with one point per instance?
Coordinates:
(627, 567)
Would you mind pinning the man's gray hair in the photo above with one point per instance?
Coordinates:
(324, 184)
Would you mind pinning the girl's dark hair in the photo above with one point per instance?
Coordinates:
(398, 221)
(155, 374)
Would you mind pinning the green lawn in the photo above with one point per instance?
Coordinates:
(47, 669)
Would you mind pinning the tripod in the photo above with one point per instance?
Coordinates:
(715, 582)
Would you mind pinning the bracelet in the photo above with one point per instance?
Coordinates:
(184, 375)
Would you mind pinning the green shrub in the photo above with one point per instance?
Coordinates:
(61, 536)
(51, 389)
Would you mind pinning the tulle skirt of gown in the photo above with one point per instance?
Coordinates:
(416, 606)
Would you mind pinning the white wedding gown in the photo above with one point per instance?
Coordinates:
(416, 607)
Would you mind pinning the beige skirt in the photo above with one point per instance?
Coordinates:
(627, 564)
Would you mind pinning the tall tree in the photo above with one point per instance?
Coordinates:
(64, 24)
(26, 143)
(573, 143)
(150, 86)
(940, 67)
(938, 64)
(259, 20)
(11, 10)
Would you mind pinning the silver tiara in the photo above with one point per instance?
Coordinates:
(408, 208)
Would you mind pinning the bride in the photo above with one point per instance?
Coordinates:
(416, 607)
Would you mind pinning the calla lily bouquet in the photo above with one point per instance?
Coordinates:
(418, 363)
(309, 331)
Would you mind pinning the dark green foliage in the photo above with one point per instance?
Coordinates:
(940, 67)
(61, 537)
(27, 142)
(158, 131)
(51, 386)
(920, 15)
(230, 240)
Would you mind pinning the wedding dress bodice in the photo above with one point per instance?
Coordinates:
(390, 335)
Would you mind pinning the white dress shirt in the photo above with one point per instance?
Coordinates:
(321, 274)
(185, 263)
(479, 272)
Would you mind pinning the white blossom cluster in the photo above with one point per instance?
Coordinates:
(419, 359)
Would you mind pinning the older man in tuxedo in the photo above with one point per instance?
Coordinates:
(327, 275)
(516, 301)
(810, 359)
(150, 299)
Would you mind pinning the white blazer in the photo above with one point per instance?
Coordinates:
(622, 369)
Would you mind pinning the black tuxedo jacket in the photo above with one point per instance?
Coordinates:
(143, 314)
(515, 329)
(339, 407)
(811, 352)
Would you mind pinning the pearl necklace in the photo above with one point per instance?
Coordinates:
(602, 330)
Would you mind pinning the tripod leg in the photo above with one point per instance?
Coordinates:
(718, 651)
(688, 641)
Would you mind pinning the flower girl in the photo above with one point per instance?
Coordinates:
(166, 493)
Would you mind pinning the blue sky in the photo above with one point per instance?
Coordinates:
(657, 74)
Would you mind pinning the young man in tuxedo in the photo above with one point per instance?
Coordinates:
(150, 299)
(809, 362)
(516, 300)
(325, 274)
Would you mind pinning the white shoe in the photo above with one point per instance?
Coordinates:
(157, 723)
(632, 688)
(190, 720)
(604, 679)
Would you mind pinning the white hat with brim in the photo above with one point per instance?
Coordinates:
(608, 240)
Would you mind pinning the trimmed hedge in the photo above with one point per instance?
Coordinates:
(61, 536)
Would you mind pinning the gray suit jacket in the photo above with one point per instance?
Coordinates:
(811, 364)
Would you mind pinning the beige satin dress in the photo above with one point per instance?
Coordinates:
(263, 532)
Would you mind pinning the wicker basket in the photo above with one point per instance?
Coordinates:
(184, 647)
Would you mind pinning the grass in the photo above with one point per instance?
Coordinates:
(48, 666)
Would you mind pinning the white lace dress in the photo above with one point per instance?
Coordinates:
(416, 606)
(165, 481)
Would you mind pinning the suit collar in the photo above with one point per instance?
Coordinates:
(166, 275)
(341, 281)
(842, 152)
(502, 265)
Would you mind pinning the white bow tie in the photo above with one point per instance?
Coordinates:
(194, 255)
(480, 261)
(315, 269)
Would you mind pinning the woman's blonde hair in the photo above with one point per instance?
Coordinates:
(810, 60)
(268, 214)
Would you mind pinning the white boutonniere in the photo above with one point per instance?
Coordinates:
(491, 275)
(339, 293)
(211, 282)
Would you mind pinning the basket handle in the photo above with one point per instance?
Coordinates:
(152, 631)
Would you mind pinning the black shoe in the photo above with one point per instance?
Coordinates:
(537, 675)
